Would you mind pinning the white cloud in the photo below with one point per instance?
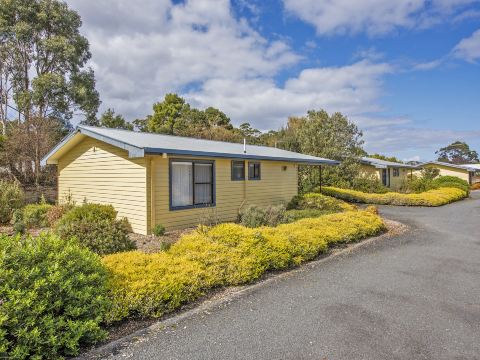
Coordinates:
(373, 16)
(352, 89)
(163, 47)
(469, 48)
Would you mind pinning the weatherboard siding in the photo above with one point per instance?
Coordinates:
(97, 172)
(275, 186)
(450, 171)
(395, 181)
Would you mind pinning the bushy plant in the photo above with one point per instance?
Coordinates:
(254, 216)
(53, 297)
(55, 213)
(95, 226)
(451, 181)
(158, 230)
(436, 197)
(35, 215)
(318, 202)
(369, 184)
(11, 199)
(18, 223)
(475, 186)
(226, 254)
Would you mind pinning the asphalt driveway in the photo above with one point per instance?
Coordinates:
(413, 296)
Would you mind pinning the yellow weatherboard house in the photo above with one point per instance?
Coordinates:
(389, 173)
(467, 172)
(170, 180)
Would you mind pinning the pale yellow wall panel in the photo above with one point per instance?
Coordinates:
(275, 186)
(101, 173)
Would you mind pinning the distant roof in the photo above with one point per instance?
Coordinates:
(476, 166)
(382, 164)
(468, 167)
(138, 144)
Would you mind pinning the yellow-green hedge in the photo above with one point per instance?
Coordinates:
(437, 197)
(227, 254)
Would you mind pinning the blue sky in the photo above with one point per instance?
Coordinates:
(406, 71)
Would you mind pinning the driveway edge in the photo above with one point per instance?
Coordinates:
(227, 295)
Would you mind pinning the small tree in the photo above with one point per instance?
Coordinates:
(332, 137)
(115, 121)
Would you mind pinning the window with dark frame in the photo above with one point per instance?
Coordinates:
(396, 172)
(238, 170)
(253, 171)
(191, 184)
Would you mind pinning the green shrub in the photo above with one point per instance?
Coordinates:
(53, 297)
(226, 254)
(369, 184)
(158, 230)
(35, 215)
(451, 181)
(95, 226)
(254, 216)
(436, 197)
(11, 199)
(89, 212)
(18, 223)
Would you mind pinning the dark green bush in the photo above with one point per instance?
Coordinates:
(11, 199)
(158, 230)
(255, 216)
(53, 297)
(35, 215)
(95, 226)
(451, 181)
(18, 223)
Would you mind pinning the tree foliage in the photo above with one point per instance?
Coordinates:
(116, 121)
(43, 80)
(328, 136)
(386, 158)
(457, 152)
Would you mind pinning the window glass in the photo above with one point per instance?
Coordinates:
(203, 183)
(182, 189)
(253, 170)
(238, 170)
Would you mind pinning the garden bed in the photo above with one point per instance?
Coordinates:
(431, 198)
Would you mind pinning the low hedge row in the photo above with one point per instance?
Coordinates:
(436, 197)
(228, 254)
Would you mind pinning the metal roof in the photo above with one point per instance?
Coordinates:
(138, 144)
(383, 164)
(468, 167)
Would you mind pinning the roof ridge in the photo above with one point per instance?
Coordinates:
(87, 127)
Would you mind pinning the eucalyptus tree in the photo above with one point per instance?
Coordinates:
(45, 80)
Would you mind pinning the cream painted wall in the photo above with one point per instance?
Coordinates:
(450, 171)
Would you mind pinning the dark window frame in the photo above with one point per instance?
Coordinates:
(253, 177)
(193, 162)
(232, 166)
(396, 172)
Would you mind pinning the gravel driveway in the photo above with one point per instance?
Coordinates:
(413, 296)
